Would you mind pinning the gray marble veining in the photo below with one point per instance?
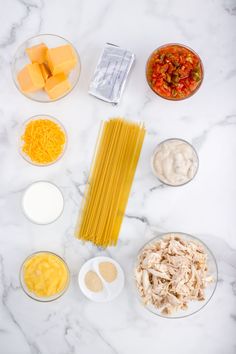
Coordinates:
(205, 207)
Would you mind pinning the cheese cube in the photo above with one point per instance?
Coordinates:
(61, 59)
(57, 85)
(37, 53)
(30, 78)
(45, 71)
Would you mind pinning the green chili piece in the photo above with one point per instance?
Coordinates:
(174, 92)
(175, 77)
(196, 76)
(162, 57)
(168, 78)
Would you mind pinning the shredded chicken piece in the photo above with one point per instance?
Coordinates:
(172, 271)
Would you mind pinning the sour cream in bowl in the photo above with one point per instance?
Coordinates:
(175, 162)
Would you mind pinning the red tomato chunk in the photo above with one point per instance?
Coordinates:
(174, 72)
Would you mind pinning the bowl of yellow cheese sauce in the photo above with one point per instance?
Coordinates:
(44, 276)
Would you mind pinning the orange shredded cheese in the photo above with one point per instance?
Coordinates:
(43, 141)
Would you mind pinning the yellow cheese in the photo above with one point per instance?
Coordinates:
(61, 59)
(45, 71)
(30, 78)
(37, 53)
(45, 274)
(57, 85)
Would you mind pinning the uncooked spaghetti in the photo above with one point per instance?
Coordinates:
(110, 181)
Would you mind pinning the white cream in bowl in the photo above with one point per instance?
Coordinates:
(175, 162)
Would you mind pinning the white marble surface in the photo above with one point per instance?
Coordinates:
(204, 208)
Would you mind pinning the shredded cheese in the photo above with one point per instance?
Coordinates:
(43, 141)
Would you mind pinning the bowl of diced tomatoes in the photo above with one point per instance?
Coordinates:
(174, 71)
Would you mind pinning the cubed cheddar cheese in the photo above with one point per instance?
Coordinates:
(57, 85)
(61, 59)
(37, 53)
(30, 78)
(45, 71)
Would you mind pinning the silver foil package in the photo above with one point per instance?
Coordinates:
(111, 73)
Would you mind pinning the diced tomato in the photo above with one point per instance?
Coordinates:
(174, 71)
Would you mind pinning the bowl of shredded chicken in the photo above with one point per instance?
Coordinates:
(175, 275)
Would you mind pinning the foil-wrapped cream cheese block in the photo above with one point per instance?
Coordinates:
(111, 73)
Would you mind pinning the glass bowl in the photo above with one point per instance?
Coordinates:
(31, 217)
(155, 172)
(193, 306)
(32, 295)
(21, 142)
(148, 71)
(20, 59)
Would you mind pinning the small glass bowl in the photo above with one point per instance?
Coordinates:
(21, 142)
(32, 295)
(193, 306)
(20, 59)
(148, 71)
(25, 211)
(155, 172)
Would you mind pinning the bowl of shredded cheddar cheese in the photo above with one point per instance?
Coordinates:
(43, 140)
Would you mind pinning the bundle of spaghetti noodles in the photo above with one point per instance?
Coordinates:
(110, 180)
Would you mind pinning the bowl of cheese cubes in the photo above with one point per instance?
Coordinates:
(46, 68)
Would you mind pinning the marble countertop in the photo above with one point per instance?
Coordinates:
(204, 208)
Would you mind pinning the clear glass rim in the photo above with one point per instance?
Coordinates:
(31, 295)
(154, 171)
(181, 46)
(49, 100)
(42, 116)
(188, 236)
(22, 198)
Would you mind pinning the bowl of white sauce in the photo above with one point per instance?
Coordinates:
(42, 202)
(175, 162)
